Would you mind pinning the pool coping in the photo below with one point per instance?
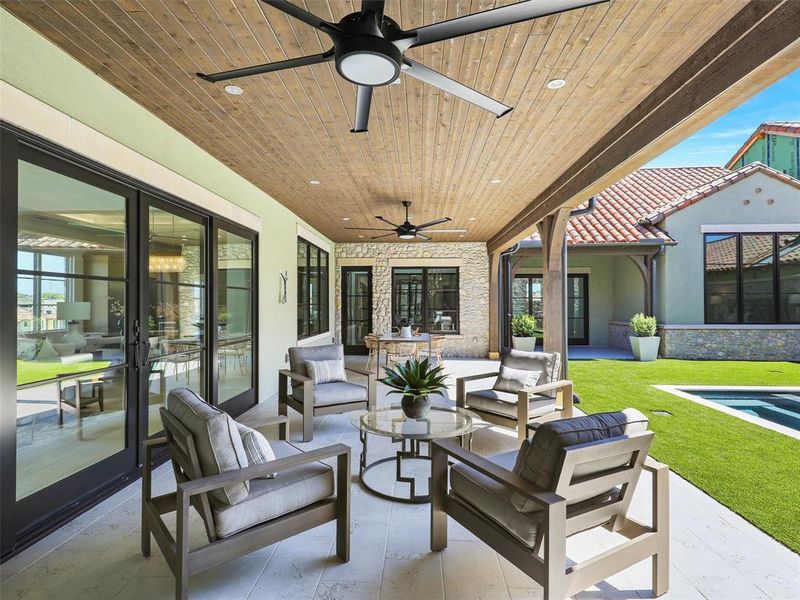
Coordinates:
(684, 391)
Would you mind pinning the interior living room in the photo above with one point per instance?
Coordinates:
(269, 336)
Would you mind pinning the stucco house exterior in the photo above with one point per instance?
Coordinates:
(713, 254)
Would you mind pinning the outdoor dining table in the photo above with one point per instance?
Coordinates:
(420, 338)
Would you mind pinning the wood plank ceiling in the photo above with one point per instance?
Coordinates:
(423, 145)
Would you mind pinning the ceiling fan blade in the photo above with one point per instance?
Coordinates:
(388, 222)
(369, 228)
(446, 231)
(375, 6)
(432, 223)
(301, 14)
(444, 83)
(377, 237)
(496, 17)
(280, 65)
(363, 103)
(423, 237)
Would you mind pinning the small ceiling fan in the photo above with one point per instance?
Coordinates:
(407, 231)
(368, 48)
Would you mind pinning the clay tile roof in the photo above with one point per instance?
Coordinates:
(692, 196)
(620, 207)
(789, 128)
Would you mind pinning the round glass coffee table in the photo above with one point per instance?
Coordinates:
(441, 422)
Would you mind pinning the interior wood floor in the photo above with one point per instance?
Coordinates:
(715, 554)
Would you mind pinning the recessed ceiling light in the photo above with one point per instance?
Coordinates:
(495, 180)
(472, 218)
(314, 181)
(555, 84)
(460, 235)
(345, 218)
(234, 90)
(361, 236)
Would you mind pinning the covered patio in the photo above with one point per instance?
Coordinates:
(715, 554)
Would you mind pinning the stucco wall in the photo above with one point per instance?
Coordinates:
(683, 292)
(74, 107)
(473, 262)
(601, 289)
(628, 289)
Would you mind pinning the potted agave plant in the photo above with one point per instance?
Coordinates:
(644, 341)
(523, 332)
(405, 328)
(415, 380)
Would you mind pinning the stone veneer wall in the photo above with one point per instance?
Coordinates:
(741, 342)
(718, 342)
(473, 262)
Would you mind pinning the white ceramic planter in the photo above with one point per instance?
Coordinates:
(526, 344)
(405, 332)
(645, 349)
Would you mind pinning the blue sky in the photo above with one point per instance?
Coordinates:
(717, 142)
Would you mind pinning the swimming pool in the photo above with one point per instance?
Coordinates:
(774, 408)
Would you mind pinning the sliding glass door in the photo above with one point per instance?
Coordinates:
(119, 294)
(75, 409)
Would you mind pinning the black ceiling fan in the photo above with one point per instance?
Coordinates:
(405, 231)
(368, 48)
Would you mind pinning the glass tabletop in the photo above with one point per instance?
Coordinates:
(441, 422)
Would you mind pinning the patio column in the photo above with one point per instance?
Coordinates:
(552, 229)
(645, 266)
(494, 305)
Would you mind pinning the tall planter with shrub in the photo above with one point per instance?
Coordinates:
(644, 341)
(523, 332)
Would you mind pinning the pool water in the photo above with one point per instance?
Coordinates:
(777, 407)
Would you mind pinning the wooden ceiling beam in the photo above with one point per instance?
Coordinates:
(761, 32)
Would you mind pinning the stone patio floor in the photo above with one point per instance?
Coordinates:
(715, 554)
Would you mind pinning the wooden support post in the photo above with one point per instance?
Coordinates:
(494, 305)
(552, 230)
(645, 266)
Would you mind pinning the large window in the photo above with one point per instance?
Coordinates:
(312, 289)
(527, 299)
(752, 278)
(427, 297)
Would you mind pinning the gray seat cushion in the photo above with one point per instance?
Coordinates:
(495, 501)
(505, 403)
(539, 458)
(338, 392)
(216, 439)
(544, 366)
(271, 498)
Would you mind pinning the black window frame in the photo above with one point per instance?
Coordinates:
(529, 279)
(425, 325)
(776, 295)
(324, 286)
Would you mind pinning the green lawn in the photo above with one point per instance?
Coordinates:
(752, 470)
(30, 371)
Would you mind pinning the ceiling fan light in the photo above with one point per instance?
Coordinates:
(406, 236)
(368, 68)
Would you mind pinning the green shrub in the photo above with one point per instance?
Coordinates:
(643, 326)
(524, 326)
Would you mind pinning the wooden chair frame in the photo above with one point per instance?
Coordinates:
(308, 409)
(563, 401)
(550, 570)
(193, 490)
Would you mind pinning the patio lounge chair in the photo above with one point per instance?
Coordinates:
(526, 389)
(309, 398)
(243, 508)
(575, 475)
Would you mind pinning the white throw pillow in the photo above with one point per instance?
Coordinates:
(513, 380)
(326, 371)
(256, 447)
(64, 349)
(45, 351)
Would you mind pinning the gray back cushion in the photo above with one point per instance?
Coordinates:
(300, 354)
(545, 367)
(538, 459)
(216, 439)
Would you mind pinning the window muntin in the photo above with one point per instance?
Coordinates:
(752, 278)
(428, 297)
(312, 290)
